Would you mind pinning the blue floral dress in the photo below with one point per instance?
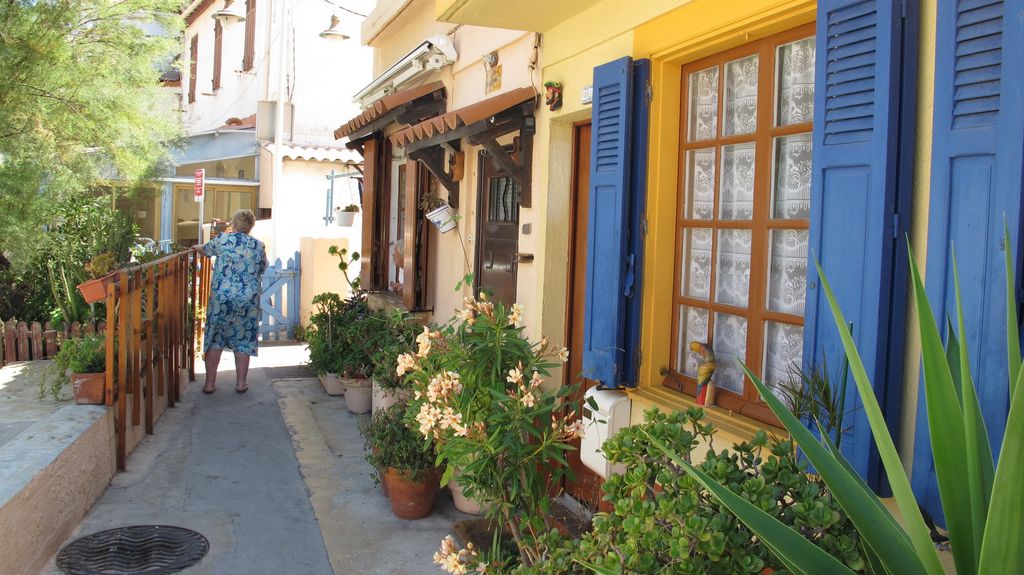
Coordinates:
(233, 313)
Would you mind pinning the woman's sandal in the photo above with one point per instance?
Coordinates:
(209, 390)
(242, 389)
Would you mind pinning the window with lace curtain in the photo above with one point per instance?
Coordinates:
(745, 188)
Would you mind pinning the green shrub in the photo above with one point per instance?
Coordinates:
(391, 443)
(87, 354)
(398, 337)
(663, 521)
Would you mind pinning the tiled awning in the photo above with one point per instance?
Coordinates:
(384, 106)
(452, 121)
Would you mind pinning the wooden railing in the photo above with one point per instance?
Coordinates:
(151, 337)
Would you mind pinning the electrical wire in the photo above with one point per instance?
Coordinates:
(340, 7)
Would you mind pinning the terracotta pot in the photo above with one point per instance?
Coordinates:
(358, 395)
(411, 499)
(94, 290)
(90, 388)
(332, 384)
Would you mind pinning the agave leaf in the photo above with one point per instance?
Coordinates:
(946, 429)
(875, 524)
(1012, 329)
(953, 358)
(1002, 550)
(916, 530)
(980, 469)
(799, 554)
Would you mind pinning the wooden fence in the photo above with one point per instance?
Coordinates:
(24, 341)
(151, 337)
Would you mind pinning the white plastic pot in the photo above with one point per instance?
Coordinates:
(344, 219)
(332, 384)
(443, 218)
(463, 503)
(384, 398)
(358, 395)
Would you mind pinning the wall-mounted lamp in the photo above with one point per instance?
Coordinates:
(490, 60)
(229, 14)
(333, 33)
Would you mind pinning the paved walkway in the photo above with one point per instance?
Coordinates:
(274, 478)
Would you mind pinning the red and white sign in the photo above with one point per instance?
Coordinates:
(200, 185)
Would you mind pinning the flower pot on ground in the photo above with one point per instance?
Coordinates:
(332, 384)
(404, 460)
(83, 363)
(463, 503)
(399, 337)
(384, 398)
(412, 492)
(358, 394)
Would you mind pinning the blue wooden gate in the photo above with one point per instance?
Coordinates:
(279, 301)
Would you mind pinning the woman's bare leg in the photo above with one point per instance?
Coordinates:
(212, 358)
(241, 370)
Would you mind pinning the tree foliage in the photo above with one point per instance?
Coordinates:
(80, 103)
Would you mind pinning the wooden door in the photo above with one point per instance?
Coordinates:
(497, 231)
(586, 487)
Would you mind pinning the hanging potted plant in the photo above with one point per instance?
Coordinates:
(99, 269)
(346, 216)
(83, 362)
(405, 462)
(439, 212)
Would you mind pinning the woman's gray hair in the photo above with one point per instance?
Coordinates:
(243, 220)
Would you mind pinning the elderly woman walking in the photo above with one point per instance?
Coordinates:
(233, 313)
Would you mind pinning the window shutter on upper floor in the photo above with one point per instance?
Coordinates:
(248, 55)
(218, 41)
(193, 56)
(855, 201)
(976, 181)
(608, 222)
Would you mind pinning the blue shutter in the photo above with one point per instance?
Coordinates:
(637, 208)
(975, 180)
(855, 203)
(608, 223)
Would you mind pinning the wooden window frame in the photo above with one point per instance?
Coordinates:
(218, 45)
(249, 53)
(193, 65)
(748, 403)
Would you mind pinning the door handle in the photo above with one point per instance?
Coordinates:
(490, 261)
(521, 258)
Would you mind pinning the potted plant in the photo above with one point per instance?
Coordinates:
(323, 335)
(83, 362)
(346, 216)
(99, 269)
(399, 337)
(360, 334)
(405, 461)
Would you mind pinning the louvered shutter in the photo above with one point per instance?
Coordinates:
(975, 181)
(632, 288)
(855, 201)
(608, 222)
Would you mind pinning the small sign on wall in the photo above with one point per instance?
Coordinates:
(588, 94)
(493, 81)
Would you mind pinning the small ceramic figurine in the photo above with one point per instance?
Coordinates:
(705, 369)
(553, 95)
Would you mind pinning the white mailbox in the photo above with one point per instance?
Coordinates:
(612, 414)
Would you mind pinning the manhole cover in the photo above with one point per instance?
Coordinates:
(135, 550)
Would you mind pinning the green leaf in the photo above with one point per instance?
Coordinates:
(916, 530)
(1012, 329)
(980, 468)
(598, 569)
(799, 554)
(1002, 550)
(953, 358)
(946, 429)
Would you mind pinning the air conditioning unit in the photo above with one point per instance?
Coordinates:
(600, 425)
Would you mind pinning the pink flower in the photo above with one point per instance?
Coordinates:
(575, 429)
(515, 375)
(528, 400)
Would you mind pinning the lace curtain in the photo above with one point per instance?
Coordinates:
(787, 276)
(730, 347)
(784, 352)
(792, 197)
(703, 105)
(795, 82)
(693, 326)
(696, 280)
(732, 284)
(737, 187)
(700, 197)
(740, 110)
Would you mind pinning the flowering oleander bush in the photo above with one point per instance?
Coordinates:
(479, 393)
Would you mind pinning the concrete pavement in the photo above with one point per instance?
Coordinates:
(274, 478)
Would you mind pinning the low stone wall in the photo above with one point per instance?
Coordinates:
(50, 476)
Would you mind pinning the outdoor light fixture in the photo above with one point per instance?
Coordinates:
(228, 14)
(333, 33)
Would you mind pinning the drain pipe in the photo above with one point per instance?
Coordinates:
(278, 166)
